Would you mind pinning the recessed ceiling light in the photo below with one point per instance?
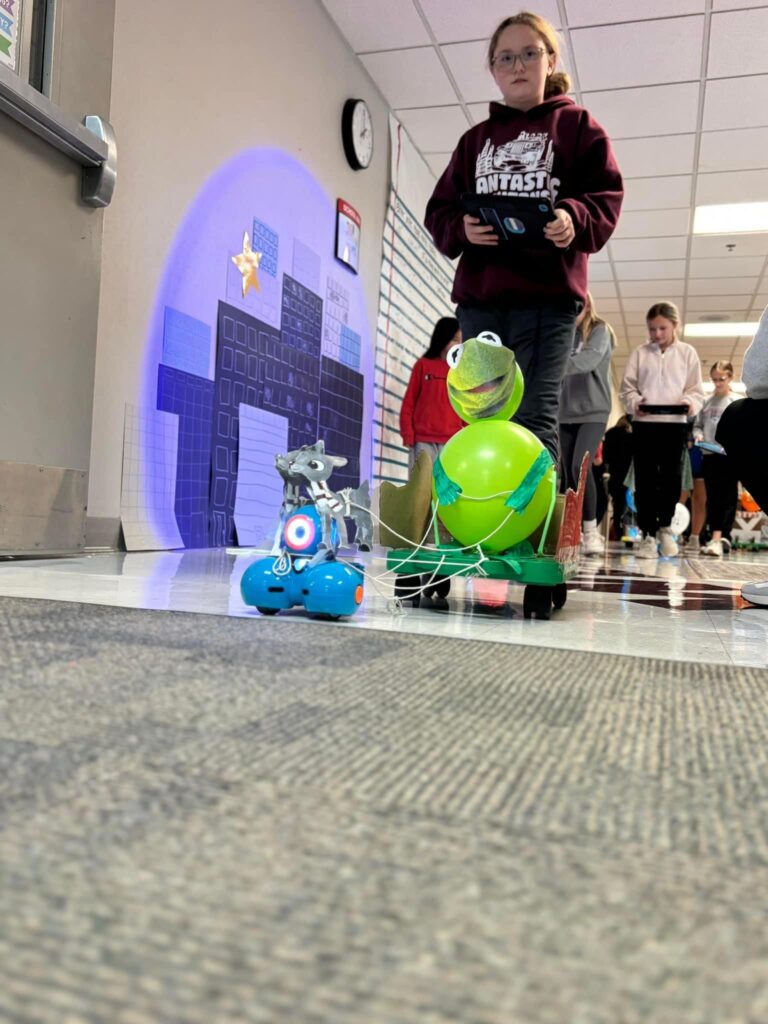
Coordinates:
(730, 219)
(727, 330)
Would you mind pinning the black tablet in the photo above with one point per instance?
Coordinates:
(664, 410)
(515, 219)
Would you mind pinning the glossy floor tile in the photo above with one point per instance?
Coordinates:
(670, 608)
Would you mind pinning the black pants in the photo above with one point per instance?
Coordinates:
(576, 439)
(741, 431)
(657, 451)
(722, 492)
(542, 340)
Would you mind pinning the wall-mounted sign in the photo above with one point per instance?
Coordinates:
(10, 21)
(347, 234)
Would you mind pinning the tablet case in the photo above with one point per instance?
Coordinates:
(518, 220)
(665, 410)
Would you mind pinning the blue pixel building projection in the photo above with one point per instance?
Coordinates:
(223, 345)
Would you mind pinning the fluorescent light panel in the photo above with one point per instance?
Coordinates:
(725, 329)
(730, 219)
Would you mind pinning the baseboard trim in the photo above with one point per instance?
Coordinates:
(103, 533)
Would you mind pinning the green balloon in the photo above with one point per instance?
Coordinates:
(486, 458)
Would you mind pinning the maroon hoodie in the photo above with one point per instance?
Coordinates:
(556, 151)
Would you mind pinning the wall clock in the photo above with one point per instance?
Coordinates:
(357, 134)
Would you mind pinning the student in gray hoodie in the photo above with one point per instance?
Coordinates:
(585, 404)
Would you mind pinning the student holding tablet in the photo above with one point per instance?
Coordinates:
(661, 388)
(527, 196)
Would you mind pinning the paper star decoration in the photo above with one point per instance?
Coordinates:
(247, 262)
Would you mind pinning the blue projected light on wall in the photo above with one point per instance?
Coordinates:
(264, 348)
(191, 398)
(265, 241)
(186, 343)
(349, 347)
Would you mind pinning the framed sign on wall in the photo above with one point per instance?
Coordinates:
(347, 234)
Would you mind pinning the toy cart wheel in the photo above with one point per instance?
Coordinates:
(405, 587)
(326, 617)
(537, 602)
(267, 611)
(629, 543)
(559, 596)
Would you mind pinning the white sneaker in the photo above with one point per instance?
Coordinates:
(647, 548)
(756, 593)
(714, 549)
(667, 543)
(592, 543)
(693, 545)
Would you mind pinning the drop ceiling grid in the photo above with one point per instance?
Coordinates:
(695, 123)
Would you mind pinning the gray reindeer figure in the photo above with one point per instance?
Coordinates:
(312, 464)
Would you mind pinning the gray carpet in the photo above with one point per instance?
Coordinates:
(217, 821)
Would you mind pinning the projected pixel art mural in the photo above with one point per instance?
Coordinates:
(258, 344)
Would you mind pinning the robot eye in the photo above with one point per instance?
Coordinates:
(453, 358)
(489, 338)
(314, 464)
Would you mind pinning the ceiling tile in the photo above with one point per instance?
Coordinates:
(729, 266)
(655, 110)
(748, 186)
(603, 289)
(734, 151)
(653, 223)
(730, 5)
(737, 44)
(721, 286)
(654, 291)
(653, 193)
(609, 306)
(434, 129)
(454, 21)
(593, 12)
(644, 158)
(468, 67)
(479, 111)
(715, 245)
(438, 162)
(736, 103)
(410, 78)
(647, 270)
(639, 53)
(642, 303)
(365, 29)
(707, 304)
(649, 248)
(600, 271)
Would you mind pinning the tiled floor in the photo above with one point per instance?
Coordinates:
(619, 604)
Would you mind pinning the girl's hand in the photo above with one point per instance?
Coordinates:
(478, 233)
(560, 231)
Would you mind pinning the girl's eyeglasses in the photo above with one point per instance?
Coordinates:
(506, 60)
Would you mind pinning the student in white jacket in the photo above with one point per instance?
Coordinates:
(742, 431)
(664, 371)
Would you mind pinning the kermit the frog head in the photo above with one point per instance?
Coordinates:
(484, 380)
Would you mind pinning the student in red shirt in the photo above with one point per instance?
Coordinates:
(427, 419)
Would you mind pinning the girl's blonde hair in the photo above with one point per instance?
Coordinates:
(722, 366)
(558, 83)
(591, 320)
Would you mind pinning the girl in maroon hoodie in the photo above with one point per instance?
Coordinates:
(537, 143)
(427, 419)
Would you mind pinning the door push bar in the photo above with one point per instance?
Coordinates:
(91, 144)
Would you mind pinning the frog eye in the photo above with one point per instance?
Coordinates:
(489, 338)
(453, 357)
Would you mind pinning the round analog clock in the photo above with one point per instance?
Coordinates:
(357, 134)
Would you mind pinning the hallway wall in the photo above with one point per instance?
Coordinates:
(192, 87)
(50, 259)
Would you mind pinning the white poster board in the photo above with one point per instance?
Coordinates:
(10, 23)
